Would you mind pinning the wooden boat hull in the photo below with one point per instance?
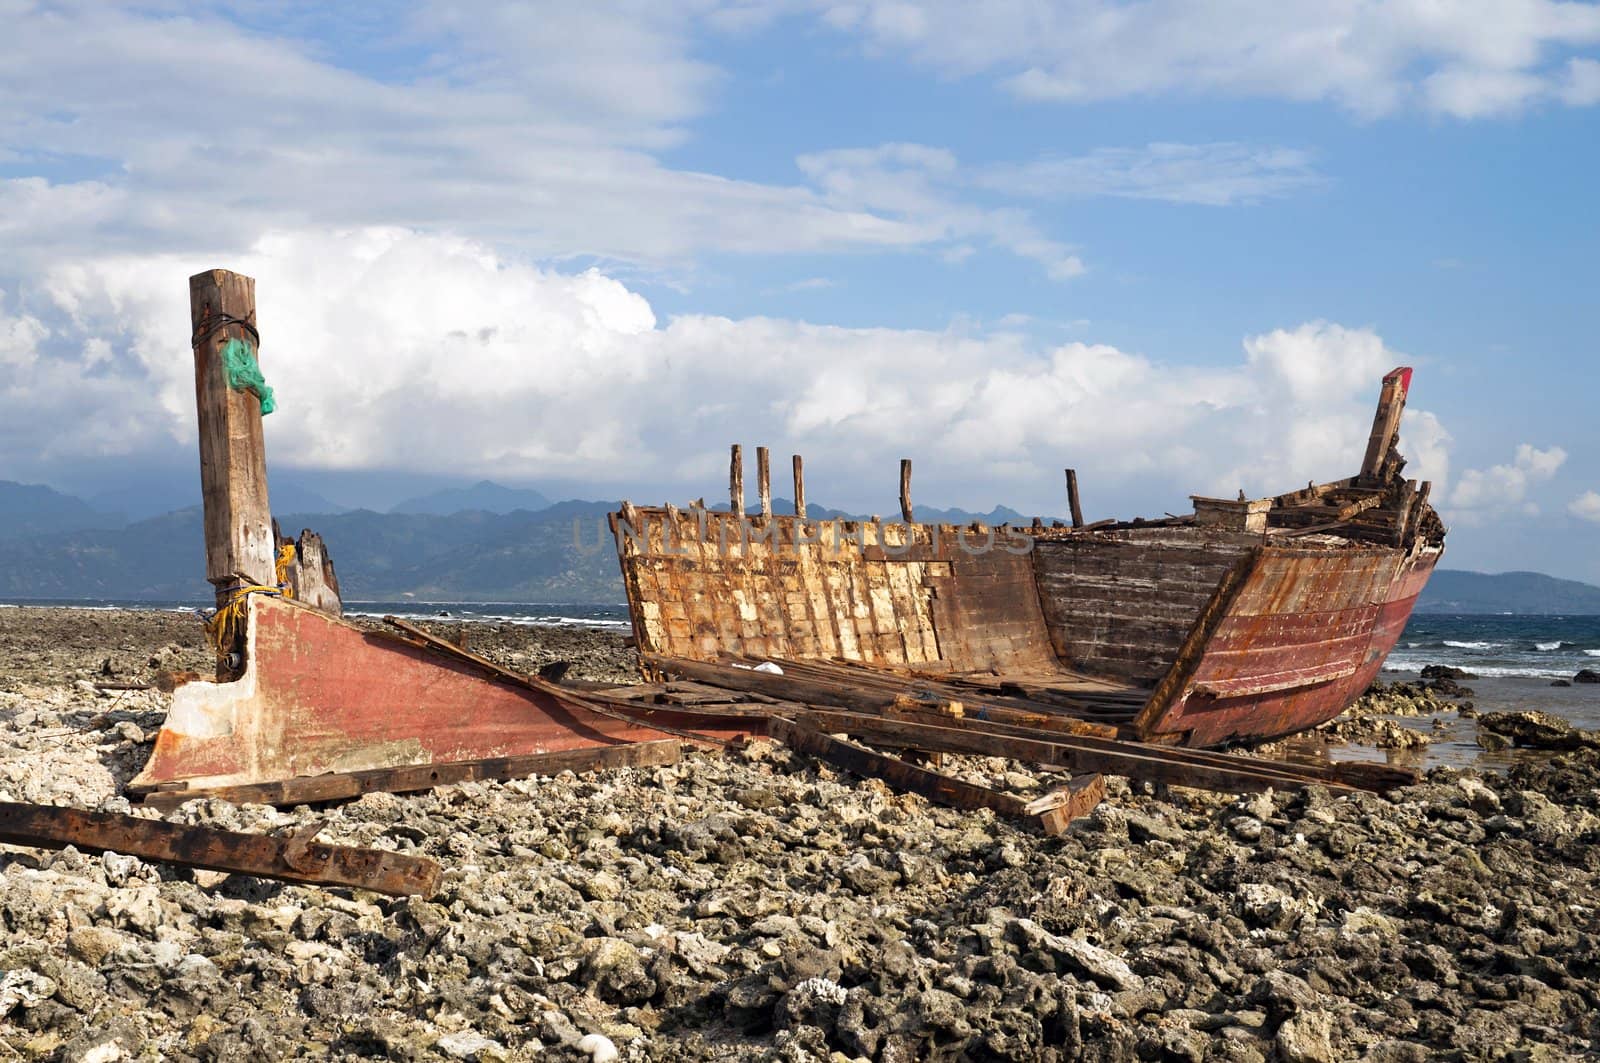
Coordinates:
(1293, 640)
(321, 696)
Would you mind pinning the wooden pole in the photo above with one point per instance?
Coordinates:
(764, 481)
(799, 487)
(1385, 424)
(736, 481)
(905, 490)
(1072, 498)
(240, 546)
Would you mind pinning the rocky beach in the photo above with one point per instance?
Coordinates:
(756, 904)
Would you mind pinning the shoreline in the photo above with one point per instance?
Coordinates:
(758, 904)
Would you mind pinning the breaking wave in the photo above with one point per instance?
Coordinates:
(1548, 646)
(1473, 645)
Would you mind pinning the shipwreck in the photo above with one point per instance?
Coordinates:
(1245, 620)
(1109, 647)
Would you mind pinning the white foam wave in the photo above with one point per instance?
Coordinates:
(1474, 645)
(1547, 646)
(1591, 653)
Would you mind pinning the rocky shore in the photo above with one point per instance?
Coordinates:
(754, 904)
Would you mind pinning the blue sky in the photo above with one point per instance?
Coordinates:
(584, 247)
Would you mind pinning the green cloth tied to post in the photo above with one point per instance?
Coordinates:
(245, 372)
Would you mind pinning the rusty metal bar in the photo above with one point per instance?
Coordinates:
(295, 858)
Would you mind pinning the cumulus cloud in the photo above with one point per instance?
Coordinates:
(1505, 487)
(391, 348)
(1586, 506)
(1467, 60)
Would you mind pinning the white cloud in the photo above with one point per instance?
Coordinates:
(1505, 487)
(395, 349)
(1581, 86)
(1586, 506)
(1468, 59)
(1216, 174)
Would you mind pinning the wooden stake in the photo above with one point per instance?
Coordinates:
(799, 487)
(764, 482)
(905, 490)
(240, 547)
(736, 481)
(1072, 498)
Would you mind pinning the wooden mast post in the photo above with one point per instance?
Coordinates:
(736, 481)
(905, 490)
(240, 546)
(1072, 498)
(764, 482)
(1385, 425)
(799, 487)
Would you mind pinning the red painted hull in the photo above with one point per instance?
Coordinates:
(320, 695)
(1301, 637)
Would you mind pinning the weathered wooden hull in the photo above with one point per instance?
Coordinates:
(1297, 636)
(322, 696)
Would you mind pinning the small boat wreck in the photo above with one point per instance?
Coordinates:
(1086, 649)
(1244, 620)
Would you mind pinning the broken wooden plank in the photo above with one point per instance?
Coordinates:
(296, 858)
(736, 481)
(412, 778)
(1057, 809)
(764, 481)
(799, 487)
(905, 490)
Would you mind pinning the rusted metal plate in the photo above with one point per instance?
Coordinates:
(297, 858)
(321, 696)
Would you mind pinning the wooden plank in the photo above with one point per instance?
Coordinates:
(345, 786)
(1057, 809)
(933, 785)
(1131, 759)
(905, 490)
(736, 481)
(799, 488)
(1385, 425)
(240, 548)
(295, 858)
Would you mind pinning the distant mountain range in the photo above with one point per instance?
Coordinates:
(1529, 593)
(486, 542)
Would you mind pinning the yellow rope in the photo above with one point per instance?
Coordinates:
(285, 559)
(227, 623)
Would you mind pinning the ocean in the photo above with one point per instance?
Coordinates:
(1539, 647)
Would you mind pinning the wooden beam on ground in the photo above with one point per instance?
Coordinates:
(935, 786)
(736, 481)
(294, 858)
(1134, 760)
(411, 778)
(799, 487)
(240, 548)
(905, 490)
(1072, 498)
